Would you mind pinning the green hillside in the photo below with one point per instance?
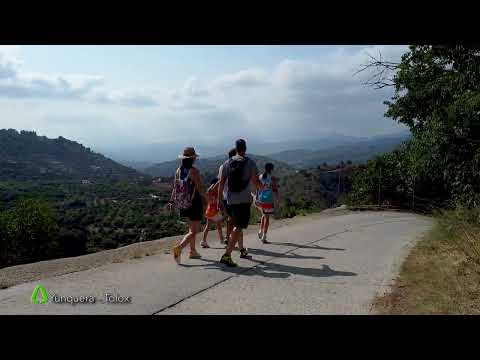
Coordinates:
(26, 156)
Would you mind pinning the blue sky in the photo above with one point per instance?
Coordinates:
(113, 95)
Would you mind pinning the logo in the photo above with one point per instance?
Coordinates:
(39, 299)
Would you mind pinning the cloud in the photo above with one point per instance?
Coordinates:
(242, 79)
(15, 83)
(292, 99)
(132, 99)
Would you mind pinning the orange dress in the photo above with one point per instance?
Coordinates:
(212, 208)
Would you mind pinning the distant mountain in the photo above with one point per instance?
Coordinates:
(356, 152)
(137, 165)
(209, 166)
(156, 153)
(26, 156)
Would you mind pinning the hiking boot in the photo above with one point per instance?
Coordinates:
(243, 253)
(177, 252)
(227, 260)
(194, 255)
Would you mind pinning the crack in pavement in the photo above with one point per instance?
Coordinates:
(262, 262)
(259, 262)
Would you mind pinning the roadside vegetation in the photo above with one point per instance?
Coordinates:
(441, 275)
(437, 171)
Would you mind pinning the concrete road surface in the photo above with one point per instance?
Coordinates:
(316, 265)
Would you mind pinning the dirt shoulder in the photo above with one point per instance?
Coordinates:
(15, 275)
(440, 276)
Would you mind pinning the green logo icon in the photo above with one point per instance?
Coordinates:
(43, 295)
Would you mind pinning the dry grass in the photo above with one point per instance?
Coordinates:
(442, 273)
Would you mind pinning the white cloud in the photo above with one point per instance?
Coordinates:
(289, 100)
(15, 83)
(243, 79)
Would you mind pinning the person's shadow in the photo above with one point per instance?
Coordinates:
(305, 246)
(272, 270)
(291, 255)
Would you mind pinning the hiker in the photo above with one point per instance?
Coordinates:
(225, 208)
(266, 199)
(238, 172)
(187, 196)
(213, 213)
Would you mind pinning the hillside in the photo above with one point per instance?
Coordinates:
(357, 153)
(209, 166)
(26, 156)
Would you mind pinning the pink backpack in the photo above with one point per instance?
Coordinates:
(182, 192)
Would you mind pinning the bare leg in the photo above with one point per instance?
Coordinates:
(229, 228)
(235, 236)
(262, 224)
(240, 241)
(194, 229)
(219, 230)
(205, 232)
(187, 239)
(266, 224)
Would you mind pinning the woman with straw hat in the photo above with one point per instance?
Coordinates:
(187, 196)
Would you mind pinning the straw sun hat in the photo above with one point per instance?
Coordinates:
(188, 152)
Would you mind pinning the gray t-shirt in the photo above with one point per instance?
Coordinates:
(245, 196)
(225, 187)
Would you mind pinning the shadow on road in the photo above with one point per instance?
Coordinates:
(264, 252)
(305, 246)
(271, 270)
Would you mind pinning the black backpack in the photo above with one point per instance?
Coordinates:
(236, 183)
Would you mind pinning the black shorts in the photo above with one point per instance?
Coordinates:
(240, 214)
(227, 208)
(194, 212)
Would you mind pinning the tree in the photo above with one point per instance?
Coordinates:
(437, 95)
(30, 231)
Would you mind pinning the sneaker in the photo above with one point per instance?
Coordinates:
(243, 253)
(226, 240)
(227, 260)
(204, 245)
(260, 235)
(177, 252)
(194, 255)
(264, 239)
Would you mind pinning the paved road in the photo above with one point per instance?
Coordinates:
(318, 265)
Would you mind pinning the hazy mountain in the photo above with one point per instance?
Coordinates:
(356, 152)
(156, 153)
(26, 156)
(209, 166)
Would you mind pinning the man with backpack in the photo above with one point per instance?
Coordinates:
(238, 172)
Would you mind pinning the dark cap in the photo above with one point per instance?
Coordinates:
(240, 145)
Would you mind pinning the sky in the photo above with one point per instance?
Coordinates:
(132, 95)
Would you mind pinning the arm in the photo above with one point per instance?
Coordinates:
(197, 179)
(221, 186)
(255, 180)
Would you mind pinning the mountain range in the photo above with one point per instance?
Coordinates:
(356, 152)
(142, 155)
(209, 166)
(26, 156)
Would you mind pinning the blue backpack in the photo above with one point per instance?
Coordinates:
(265, 196)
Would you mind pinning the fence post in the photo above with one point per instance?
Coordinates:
(379, 187)
(413, 193)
